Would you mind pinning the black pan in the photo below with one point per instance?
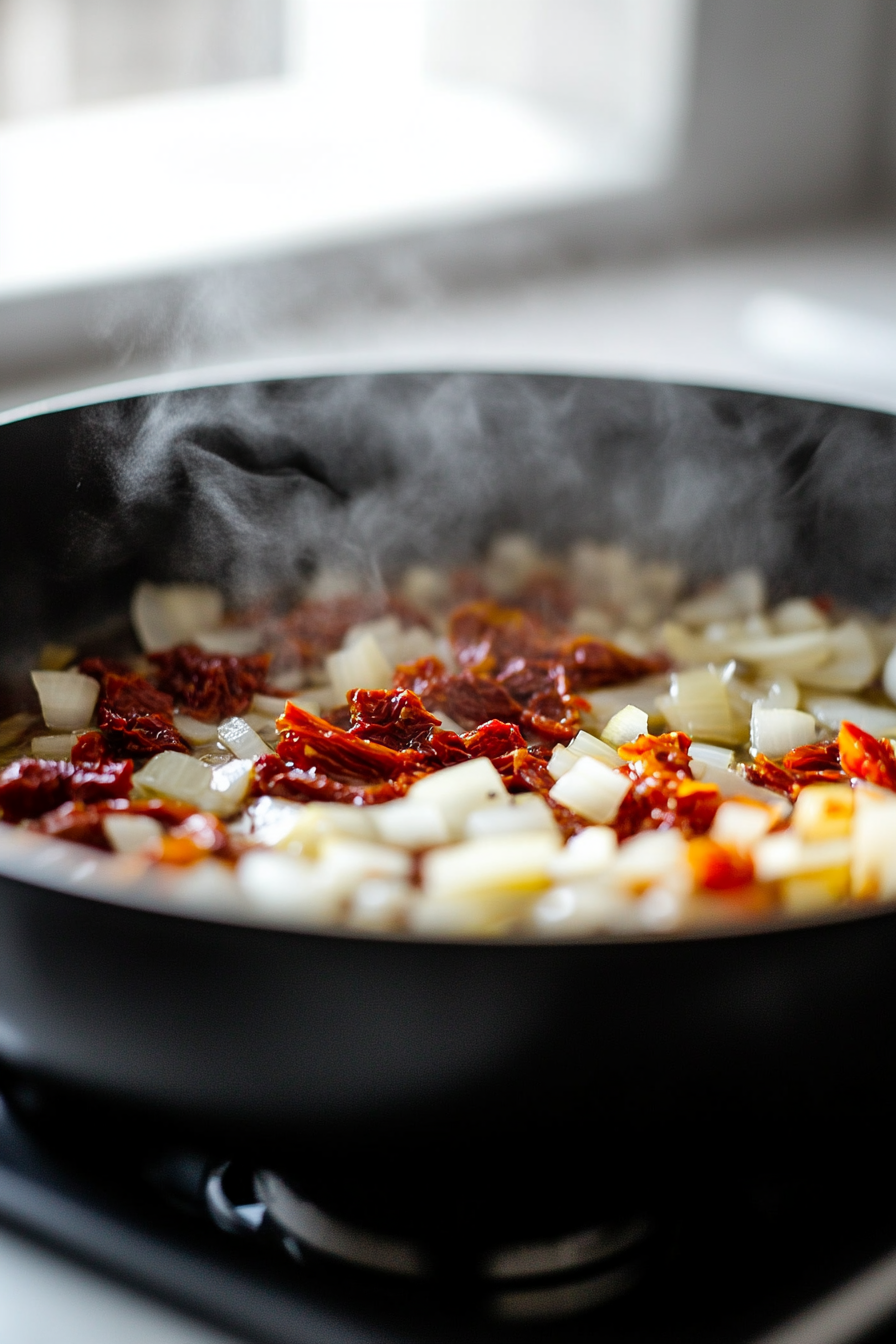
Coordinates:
(621, 1056)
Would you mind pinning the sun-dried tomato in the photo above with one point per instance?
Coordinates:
(426, 678)
(485, 635)
(494, 738)
(393, 718)
(125, 691)
(866, 757)
(664, 794)
(197, 837)
(311, 743)
(140, 734)
(525, 678)
(718, 868)
(818, 763)
(75, 822)
(211, 686)
(274, 776)
(29, 788)
(591, 663)
(470, 700)
(555, 717)
(90, 749)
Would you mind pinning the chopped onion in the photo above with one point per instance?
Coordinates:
(220, 791)
(590, 852)
(410, 825)
(586, 744)
(129, 834)
(274, 821)
(592, 790)
(265, 727)
(243, 741)
(510, 864)
(650, 857)
(345, 863)
(781, 692)
(889, 675)
(581, 907)
(742, 825)
(732, 785)
(229, 639)
(741, 594)
(510, 563)
(272, 706)
(526, 812)
(785, 855)
(194, 731)
(55, 748)
(164, 615)
(795, 655)
(831, 710)
(774, 732)
(627, 725)
(607, 702)
(853, 663)
(798, 614)
(711, 755)
(823, 811)
(873, 851)
(288, 887)
(362, 665)
(698, 704)
(67, 699)
(380, 903)
(460, 790)
(562, 761)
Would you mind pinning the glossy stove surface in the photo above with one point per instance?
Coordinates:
(740, 1260)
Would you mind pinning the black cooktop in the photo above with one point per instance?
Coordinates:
(810, 1260)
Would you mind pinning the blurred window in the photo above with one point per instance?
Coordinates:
(178, 131)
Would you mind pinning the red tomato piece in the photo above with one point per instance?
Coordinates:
(866, 757)
(210, 686)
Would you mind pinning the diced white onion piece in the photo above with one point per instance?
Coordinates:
(194, 731)
(230, 784)
(607, 702)
(774, 732)
(345, 863)
(229, 640)
(581, 907)
(380, 903)
(425, 587)
(460, 790)
(562, 761)
(586, 744)
(794, 655)
(265, 727)
(511, 864)
(410, 825)
(784, 855)
(55, 748)
(448, 724)
(287, 887)
(781, 692)
(873, 871)
(271, 706)
(173, 775)
(274, 821)
(722, 757)
(511, 560)
(798, 614)
(824, 812)
(689, 649)
(889, 676)
(527, 812)
(650, 857)
(169, 614)
(590, 852)
(362, 665)
(129, 834)
(627, 725)
(698, 704)
(741, 594)
(343, 819)
(67, 699)
(742, 825)
(592, 790)
(831, 710)
(853, 662)
(243, 741)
